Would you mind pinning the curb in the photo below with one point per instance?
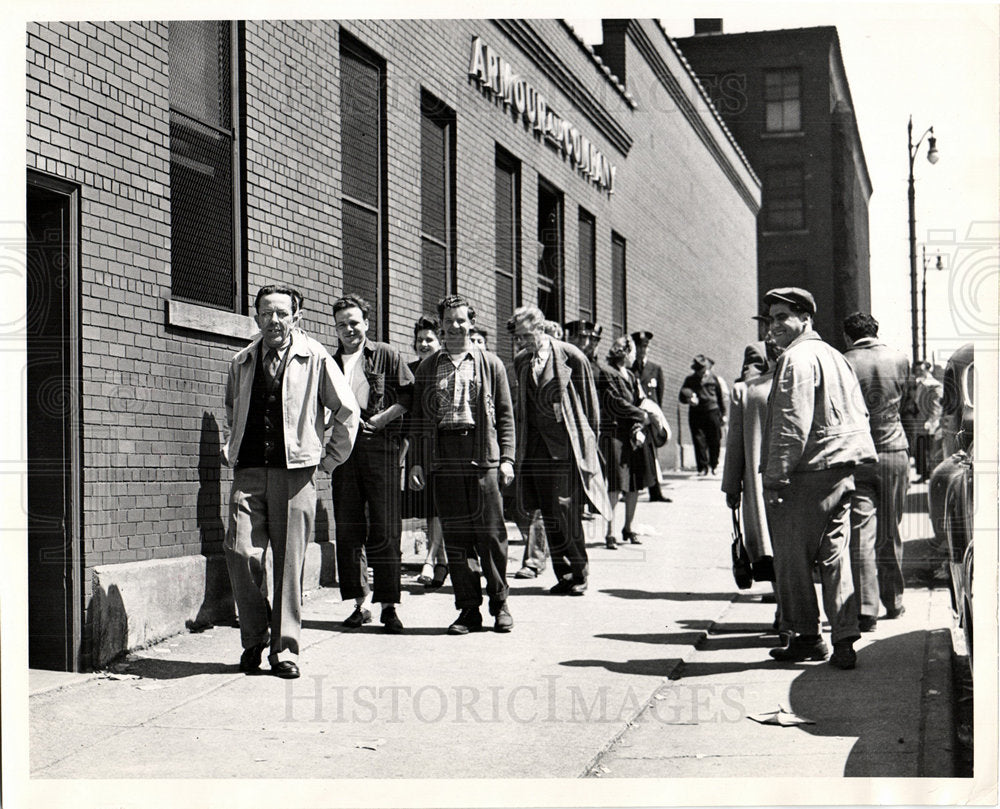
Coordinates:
(937, 712)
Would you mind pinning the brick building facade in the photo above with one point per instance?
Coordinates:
(786, 98)
(173, 168)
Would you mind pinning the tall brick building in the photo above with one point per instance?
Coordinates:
(786, 98)
(173, 168)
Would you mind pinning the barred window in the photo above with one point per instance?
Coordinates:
(437, 199)
(508, 247)
(784, 198)
(204, 189)
(588, 266)
(782, 100)
(362, 143)
(618, 310)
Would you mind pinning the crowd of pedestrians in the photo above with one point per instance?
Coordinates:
(816, 459)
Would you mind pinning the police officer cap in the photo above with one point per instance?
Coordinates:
(761, 318)
(641, 336)
(579, 327)
(793, 296)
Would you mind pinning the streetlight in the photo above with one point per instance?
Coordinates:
(923, 297)
(932, 157)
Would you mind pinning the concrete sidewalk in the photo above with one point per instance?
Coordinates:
(651, 674)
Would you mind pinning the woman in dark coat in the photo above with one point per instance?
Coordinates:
(628, 453)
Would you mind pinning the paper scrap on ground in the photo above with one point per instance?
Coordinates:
(780, 717)
(370, 744)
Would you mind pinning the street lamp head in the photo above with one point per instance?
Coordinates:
(932, 152)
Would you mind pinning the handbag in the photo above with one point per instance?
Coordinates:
(742, 572)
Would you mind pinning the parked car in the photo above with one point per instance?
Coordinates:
(950, 493)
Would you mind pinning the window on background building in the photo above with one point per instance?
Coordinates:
(619, 314)
(550, 252)
(205, 264)
(437, 199)
(784, 198)
(782, 100)
(362, 143)
(508, 247)
(588, 266)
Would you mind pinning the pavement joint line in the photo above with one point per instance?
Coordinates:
(595, 761)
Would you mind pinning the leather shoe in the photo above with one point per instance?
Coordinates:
(660, 499)
(801, 647)
(867, 623)
(844, 656)
(890, 614)
(469, 620)
(440, 574)
(578, 588)
(504, 623)
(391, 621)
(357, 618)
(526, 573)
(610, 543)
(562, 587)
(250, 659)
(285, 669)
(629, 536)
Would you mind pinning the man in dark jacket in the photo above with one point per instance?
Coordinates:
(651, 377)
(462, 411)
(365, 489)
(880, 488)
(705, 395)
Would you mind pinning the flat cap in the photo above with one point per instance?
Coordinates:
(700, 361)
(761, 318)
(794, 296)
(642, 336)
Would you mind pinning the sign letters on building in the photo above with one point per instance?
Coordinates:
(496, 77)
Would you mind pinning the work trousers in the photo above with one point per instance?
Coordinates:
(275, 507)
(706, 435)
(366, 509)
(876, 546)
(553, 485)
(812, 527)
(468, 503)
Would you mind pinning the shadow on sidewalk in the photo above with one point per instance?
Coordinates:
(879, 703)
(150, 668)
(661, 667)
(657, 638)
(669, 596)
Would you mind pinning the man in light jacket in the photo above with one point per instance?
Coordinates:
(815, 435)
(277, 394)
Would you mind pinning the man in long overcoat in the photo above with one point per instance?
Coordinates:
(558, 465)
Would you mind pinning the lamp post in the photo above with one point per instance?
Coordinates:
(932, 157)
(923, 298)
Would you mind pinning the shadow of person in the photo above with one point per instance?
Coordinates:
(669, 596)
(655, 667)
(879, 703)
(152, 668)
(216, 604)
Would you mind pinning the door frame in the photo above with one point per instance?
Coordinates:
(74, 532)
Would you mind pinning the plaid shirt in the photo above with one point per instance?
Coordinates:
(456, 389)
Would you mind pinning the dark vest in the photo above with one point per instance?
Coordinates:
(264, 438)
(540, 413)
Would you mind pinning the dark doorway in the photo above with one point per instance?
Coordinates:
(52, 394)
(550, 252)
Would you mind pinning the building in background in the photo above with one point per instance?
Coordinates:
(175, 167)
(786, 98)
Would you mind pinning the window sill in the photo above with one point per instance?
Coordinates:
(799, 232)
(185, 315)
(782, 135)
